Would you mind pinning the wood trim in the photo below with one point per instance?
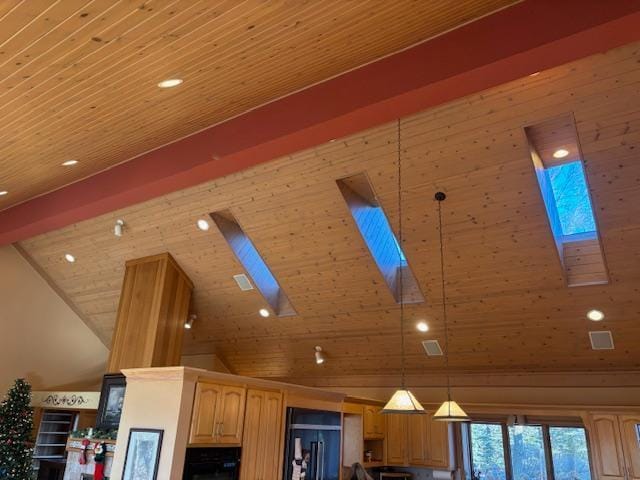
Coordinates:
(478, 58)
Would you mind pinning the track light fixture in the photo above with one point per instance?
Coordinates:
(118, 228)
(319, 356)
(189, 323)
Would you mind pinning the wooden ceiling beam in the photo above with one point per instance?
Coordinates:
(523, 39)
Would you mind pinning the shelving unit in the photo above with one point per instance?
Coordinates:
(54, 430)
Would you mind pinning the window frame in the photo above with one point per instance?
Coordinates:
(545, 424)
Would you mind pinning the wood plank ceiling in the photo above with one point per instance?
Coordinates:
(78, 78)
(510, 307)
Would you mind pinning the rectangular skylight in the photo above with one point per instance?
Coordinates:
(556, 154)
(379, 237)
(571, 198)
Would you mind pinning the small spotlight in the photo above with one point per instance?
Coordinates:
(595, 315)
(560, 153)
(264, 312)
(69, 163)
(422, 326)
(534, 74)
(3, 193)
(319, 356)
(69, 258)
(203, 224)
(117, 229)
(189, 323)
(170, 83)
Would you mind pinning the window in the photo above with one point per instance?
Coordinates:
(496, 451)
(382, 243)
(571, 198)
(555, 150)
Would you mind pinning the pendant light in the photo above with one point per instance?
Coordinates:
(449, 411)
(402, 401)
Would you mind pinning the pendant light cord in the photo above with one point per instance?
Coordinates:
(401, 284)
(440, 198)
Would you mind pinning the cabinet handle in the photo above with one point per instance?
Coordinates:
(221, 429)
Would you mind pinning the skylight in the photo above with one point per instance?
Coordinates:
(571, 198)
(381, 241)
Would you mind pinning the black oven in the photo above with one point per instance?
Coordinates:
(212, 464)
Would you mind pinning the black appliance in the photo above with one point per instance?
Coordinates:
(212, 464)
(313, 444)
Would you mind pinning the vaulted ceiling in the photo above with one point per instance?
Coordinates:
(511, 309)
(78, 78)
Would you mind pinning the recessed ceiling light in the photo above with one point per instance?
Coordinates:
(595, 315)
(170, 83)
(264, 312)
(203, 224)
(69, 258)
(3, 193)
(69, 163)
(560, 153)
(189, 323)
(422, 326)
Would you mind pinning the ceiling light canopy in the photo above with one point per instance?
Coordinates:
(69, 163)
(595, 315)
(69, 258)
(203, 224)
(319, 356)
(170, 82)
(560, 153)
(422, 327)
(264, 312)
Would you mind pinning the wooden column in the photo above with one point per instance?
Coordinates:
(154, 304)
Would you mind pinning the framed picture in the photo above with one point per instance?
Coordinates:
(143, 454)
(111, 401)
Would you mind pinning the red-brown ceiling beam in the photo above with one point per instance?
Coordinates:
(527, 37)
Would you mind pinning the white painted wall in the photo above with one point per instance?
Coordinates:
(41, 337)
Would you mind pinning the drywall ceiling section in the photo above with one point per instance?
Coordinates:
(42, 340)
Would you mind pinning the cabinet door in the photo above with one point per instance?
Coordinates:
(396, 439)
(630, 428)
(373, 422)
(272, 435)
(440, 439)
(230, 415)
(251, 437)
(417, 426)
(203, 418)
(606, 439)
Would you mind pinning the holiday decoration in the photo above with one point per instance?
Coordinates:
(83, 454)
(100, 451)
(16, 424)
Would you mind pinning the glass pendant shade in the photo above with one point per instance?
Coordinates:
(403, 401)
(450, 411)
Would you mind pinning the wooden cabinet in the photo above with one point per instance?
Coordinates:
(430, 442)
(373, 422)
(615, 441)
(396, 440)
(262, 436)
(630, 430)
(218, 414)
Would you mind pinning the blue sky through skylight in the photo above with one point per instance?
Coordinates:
(403, 259)
(572, 198)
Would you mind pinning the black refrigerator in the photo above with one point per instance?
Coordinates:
(313, 445)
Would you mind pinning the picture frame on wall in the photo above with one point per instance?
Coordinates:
(143, 454)
(111, 401)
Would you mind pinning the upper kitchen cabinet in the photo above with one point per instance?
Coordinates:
(218, 414)
(615, 441)
(373, 423)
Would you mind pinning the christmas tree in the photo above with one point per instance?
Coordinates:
(16, 423)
